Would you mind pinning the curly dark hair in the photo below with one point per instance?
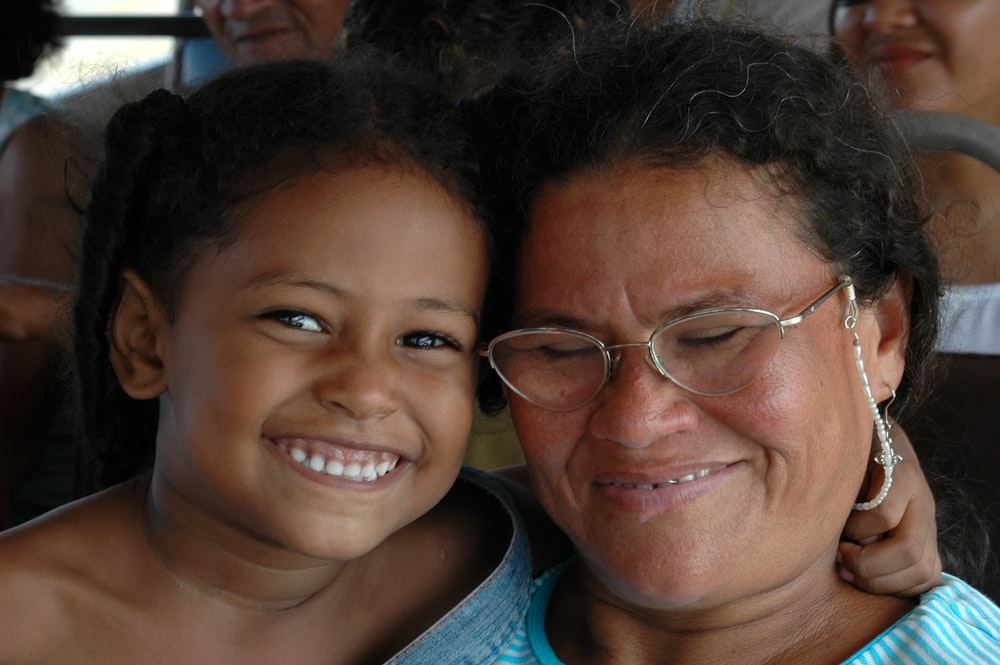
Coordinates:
(470, 43)
(28, 34)
(174, 169)
(673, 94)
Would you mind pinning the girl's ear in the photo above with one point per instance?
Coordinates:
(136, 335)
(892, 316)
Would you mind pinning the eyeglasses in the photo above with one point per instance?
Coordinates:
(712, 352)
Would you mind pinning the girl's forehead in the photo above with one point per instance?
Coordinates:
(374, 229)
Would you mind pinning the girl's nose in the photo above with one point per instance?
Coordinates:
(359, 385)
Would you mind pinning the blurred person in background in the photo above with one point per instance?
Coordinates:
(943, 56)
(42, 164)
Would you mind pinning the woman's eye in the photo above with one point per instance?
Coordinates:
(428, 340)
(709, 336)
(295, 319)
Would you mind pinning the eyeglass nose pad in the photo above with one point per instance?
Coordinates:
(616, 357)
(652, 360)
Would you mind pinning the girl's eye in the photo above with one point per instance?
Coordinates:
(296, 319)
(428, 340)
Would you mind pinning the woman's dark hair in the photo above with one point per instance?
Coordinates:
(174, 170)
(28, 34)
(671, 95)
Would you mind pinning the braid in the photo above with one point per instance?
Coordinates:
(120, 431)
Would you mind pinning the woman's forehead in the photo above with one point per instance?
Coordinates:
(658, 232)
(613, 212)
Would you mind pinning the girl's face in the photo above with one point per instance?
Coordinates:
(672, 499)
(321, 368)
(933, 54)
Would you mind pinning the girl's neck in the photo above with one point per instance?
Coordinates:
(963, 196)
(220, 560)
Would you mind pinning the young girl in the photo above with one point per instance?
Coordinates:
(282, 285)
(287, 274)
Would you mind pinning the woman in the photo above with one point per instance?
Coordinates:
(719, 273)
(941, 55)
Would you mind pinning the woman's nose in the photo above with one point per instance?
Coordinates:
(639, 406)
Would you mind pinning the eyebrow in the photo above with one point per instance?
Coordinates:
(443, 305)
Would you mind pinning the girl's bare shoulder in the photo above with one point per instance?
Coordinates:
(54, 572)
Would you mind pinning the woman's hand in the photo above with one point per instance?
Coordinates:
(893, 548)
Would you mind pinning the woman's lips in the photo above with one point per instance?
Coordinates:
(687, 477)
(649, 495)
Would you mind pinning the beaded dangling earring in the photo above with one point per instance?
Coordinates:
(887, 458)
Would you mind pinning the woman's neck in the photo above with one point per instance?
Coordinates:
(963, 196)
(804, 621)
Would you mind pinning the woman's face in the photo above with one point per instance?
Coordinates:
(933, 54)
(673, 499)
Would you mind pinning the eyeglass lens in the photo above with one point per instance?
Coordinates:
(710, 354)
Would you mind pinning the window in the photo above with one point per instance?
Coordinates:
(89, 59)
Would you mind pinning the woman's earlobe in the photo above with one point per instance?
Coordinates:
(135, 336)
(892, 316)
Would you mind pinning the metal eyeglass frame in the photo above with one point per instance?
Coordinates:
(844, 282)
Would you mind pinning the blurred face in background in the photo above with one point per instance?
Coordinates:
(932, 54)
(254, 31)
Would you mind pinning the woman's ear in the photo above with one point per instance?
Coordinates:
(136, 336)
(892, 319)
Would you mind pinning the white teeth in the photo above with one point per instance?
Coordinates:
(674, 481)
(356, 471)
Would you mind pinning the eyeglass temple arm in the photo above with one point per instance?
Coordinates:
(845, 283)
